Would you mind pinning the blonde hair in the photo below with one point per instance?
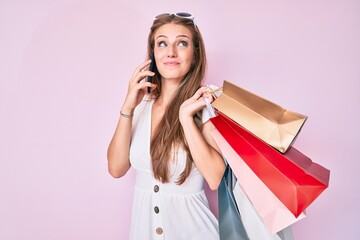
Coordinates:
(171, 135)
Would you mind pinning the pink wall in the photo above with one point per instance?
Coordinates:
(64, 67)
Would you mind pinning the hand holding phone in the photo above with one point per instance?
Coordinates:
(152, 69)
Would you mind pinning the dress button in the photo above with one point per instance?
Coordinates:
(156, 209)
(156, 188)
(159, 230)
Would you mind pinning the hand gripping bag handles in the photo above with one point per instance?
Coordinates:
(270, 122)
(292, 177)
(230, 223)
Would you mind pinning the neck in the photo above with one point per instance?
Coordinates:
(168, 88)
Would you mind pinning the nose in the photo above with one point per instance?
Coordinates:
(172, 51)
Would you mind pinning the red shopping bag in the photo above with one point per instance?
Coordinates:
(293, 178)
(272, 211)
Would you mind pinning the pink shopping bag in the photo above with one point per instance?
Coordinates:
(273, 212)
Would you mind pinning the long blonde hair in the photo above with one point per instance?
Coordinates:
(171, 135)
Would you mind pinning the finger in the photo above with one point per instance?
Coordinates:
(152, 88)
(141, 67)
(142, 75)
(208, 93)
(145, 85)
(198, 93)
(207, 89)
(210, 96)
(198, 104)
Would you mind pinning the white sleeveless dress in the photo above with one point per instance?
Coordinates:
(166, 211)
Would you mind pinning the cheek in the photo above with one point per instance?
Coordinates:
(188, 65)
(159, 55)
(188, 56)
(189, 61)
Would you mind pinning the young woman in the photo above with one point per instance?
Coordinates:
(165, 137)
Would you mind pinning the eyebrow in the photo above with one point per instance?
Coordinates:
(178, 36)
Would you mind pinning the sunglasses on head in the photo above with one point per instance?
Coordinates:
(179, 14)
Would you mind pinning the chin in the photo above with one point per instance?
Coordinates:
(173, 76)
(178, 74)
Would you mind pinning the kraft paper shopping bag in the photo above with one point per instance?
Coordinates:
(268, 121)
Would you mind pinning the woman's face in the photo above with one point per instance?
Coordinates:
(174, 51)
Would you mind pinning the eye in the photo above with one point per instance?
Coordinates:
(183, 44)
(162, 44)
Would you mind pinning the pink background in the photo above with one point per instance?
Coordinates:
(64, 68)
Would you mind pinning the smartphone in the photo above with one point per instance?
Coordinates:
(152, 69)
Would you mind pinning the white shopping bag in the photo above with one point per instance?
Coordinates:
(253, 223)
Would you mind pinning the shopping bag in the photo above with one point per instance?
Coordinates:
(230, 222)
(268, 121)
(272, 211)
(286, 234)
(292, 177)
(254, 225)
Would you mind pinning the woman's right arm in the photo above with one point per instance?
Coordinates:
(119, 147)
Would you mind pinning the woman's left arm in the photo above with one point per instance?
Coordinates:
(203, 148)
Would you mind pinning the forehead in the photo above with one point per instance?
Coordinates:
(172, 30)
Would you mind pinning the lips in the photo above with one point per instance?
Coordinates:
(171, 64)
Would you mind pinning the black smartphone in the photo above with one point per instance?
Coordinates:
(151, 68)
